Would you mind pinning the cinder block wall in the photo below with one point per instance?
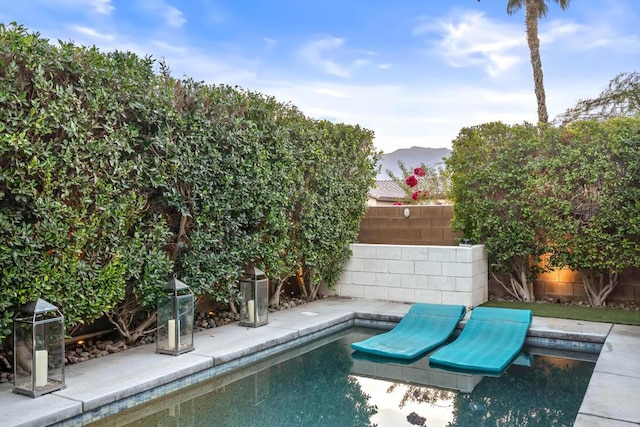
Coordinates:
(405, 273)
(425, 225)
(431, 225)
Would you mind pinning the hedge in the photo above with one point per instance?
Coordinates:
(572, 193)
(115, 177)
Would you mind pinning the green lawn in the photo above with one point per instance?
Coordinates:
(606, 315)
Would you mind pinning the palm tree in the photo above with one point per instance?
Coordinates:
(534, 10)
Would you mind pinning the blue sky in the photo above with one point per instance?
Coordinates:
(413, 71)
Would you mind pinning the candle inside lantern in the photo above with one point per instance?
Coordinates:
(250, 309)
(42, 367)
(171, 327)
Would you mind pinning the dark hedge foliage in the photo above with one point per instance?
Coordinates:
(570, 193)
(114, 177)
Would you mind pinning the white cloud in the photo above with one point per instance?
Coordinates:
(594, 35)
(407, 115)
(321, 53)
(472, 40)
(559, 29)
(101, 7)
(174, 17)
(92, 32)
(314, 52)
(171, 15)
(169, 47)
(331, 92)
(270, 43)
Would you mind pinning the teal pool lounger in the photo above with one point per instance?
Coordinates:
(423, 328)
(491, 339)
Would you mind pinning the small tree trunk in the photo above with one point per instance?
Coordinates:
(519, 286)
(596, 287)
(311, 288)
(313, 293)
(274, 300)
(179, 239)
(140, 330)
(301, 285)
(510, 289)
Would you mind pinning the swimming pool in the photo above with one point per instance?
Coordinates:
(322, 384)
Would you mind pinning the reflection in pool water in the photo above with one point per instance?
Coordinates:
(327, 387)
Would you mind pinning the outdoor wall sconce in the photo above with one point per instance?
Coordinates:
(406, 212)
(174, 330)
(254, 288)
(38, 349)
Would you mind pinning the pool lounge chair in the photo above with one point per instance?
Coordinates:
(491, 339)
(423, 328)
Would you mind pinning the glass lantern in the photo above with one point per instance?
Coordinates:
(38, 349)
(254, 287)
(174, 331)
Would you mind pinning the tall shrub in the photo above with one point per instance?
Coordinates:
(340, 167)
(246, 179)
(592, 193)
(114, 177)
(72, 122)
(492, 167)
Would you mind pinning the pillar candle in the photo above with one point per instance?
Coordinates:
(250, 309)
(171, 328)
(42, 367)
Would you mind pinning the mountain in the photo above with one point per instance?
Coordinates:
(411, 157)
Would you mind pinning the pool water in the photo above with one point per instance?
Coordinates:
(321, 384)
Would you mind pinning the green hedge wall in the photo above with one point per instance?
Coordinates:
(572, 192)
(114, 177)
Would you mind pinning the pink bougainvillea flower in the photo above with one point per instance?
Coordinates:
(412, 181)
(397, 203)
(419, 172)
(415, 195)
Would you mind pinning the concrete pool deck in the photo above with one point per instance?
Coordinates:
(121, 380)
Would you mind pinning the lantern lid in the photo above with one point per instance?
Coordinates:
(38, 307)
(254, 271)
(176, 285)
